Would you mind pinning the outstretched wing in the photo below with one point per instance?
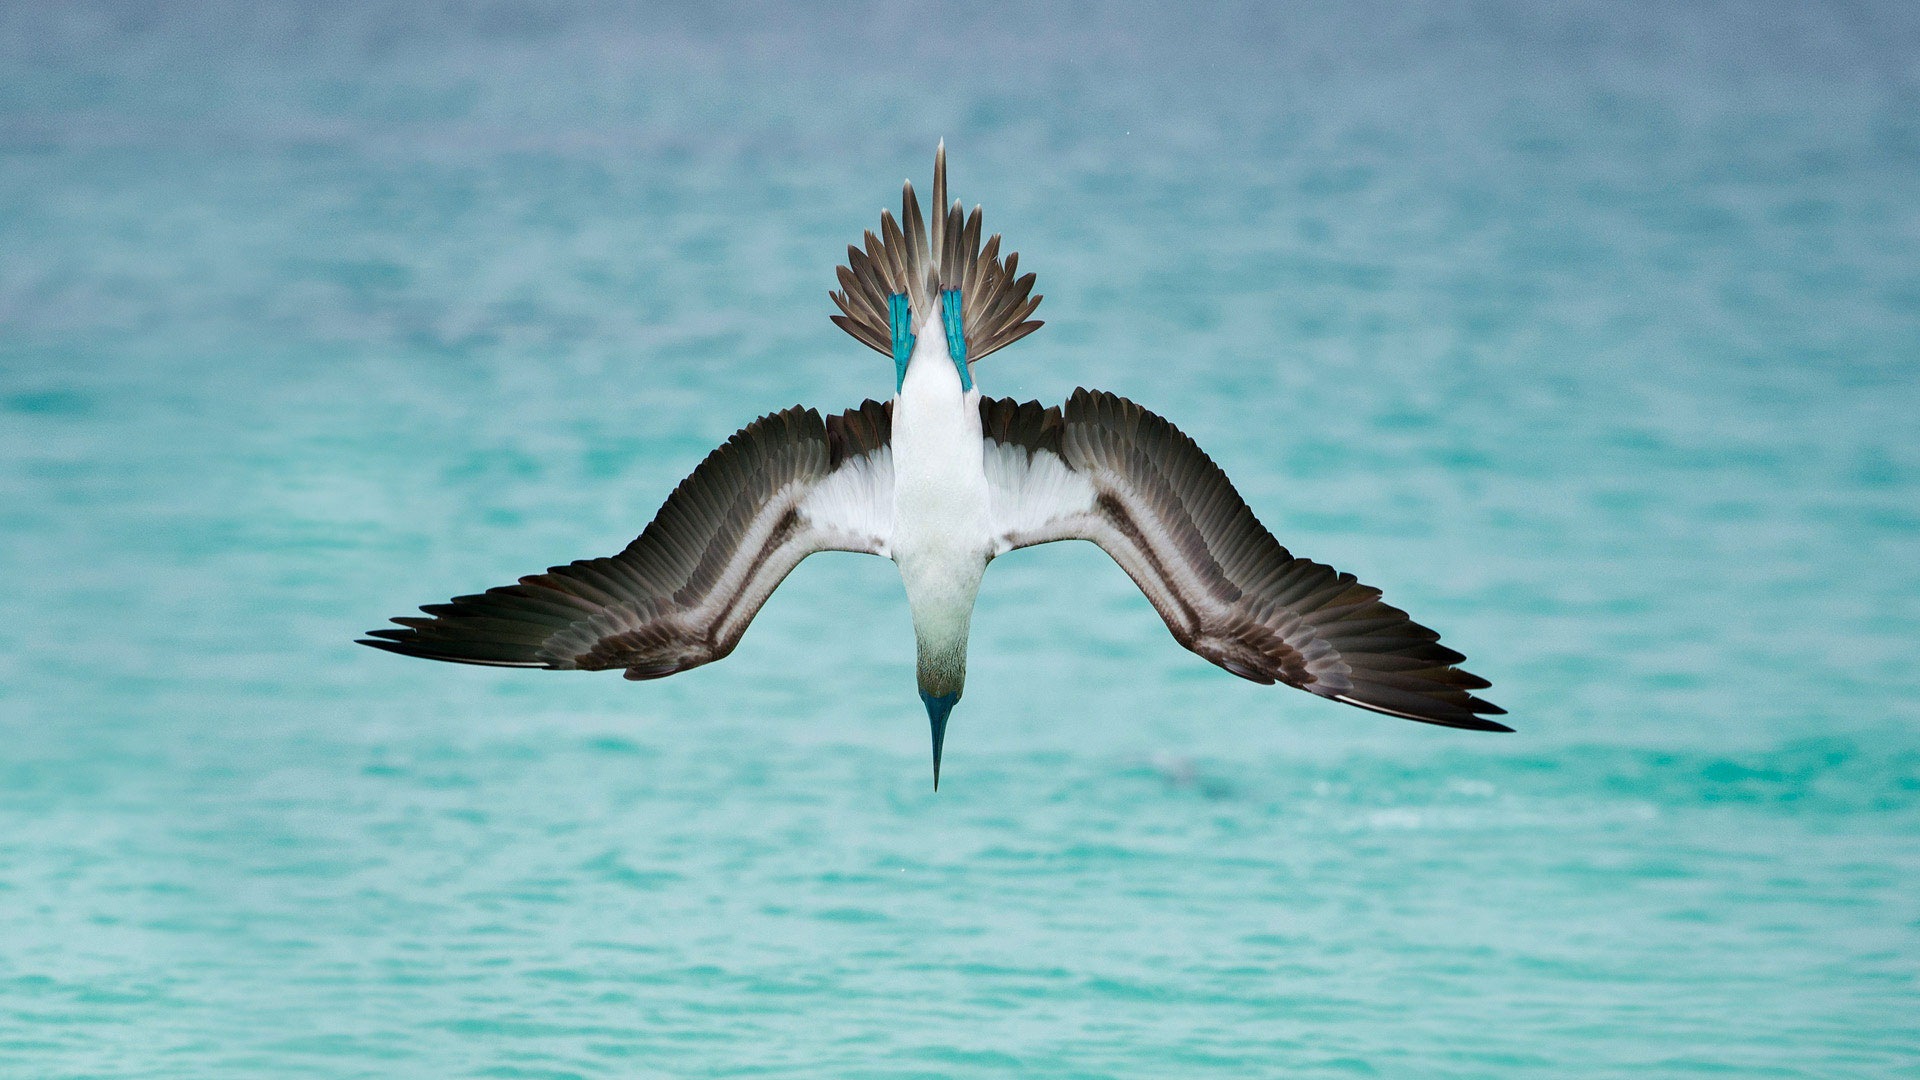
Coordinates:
(1106, 470)
(785, 486)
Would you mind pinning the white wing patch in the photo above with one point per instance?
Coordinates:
(856, 503)
(1029, 490)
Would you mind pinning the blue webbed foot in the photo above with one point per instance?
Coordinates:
(950, 317)
(900, 326)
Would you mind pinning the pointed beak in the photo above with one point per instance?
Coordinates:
(938, 709)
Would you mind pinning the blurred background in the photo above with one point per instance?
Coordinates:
(1588, 331)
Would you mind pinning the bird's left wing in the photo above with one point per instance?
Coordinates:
(1106, 470)
(682, 594)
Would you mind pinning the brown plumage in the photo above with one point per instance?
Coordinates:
(1224, 586)
(683, 592)
(906, 257)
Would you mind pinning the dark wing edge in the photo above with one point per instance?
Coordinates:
(907, 257)
(1106, 470)
(682, 593)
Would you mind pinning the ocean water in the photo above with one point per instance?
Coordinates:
(1588, 331)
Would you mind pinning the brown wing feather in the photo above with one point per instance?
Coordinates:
(1225, 587)
(683, 592)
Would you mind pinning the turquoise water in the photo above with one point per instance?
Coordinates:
(1589, 332)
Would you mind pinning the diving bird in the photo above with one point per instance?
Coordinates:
(942, 481)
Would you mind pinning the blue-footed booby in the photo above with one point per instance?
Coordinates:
(942, 480)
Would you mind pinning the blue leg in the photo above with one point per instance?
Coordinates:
(900, 324)
(956, 334)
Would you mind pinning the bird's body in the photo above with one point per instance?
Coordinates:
(942, 524)
(942, 480)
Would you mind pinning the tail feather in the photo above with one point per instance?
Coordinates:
(909, 257)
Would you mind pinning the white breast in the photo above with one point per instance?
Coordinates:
(942, 525)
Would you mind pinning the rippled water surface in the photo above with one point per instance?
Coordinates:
(1586, 331)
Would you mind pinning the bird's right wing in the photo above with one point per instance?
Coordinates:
(1106, 470)
(682, 594)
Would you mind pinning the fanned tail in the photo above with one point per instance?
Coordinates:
(996, 299)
